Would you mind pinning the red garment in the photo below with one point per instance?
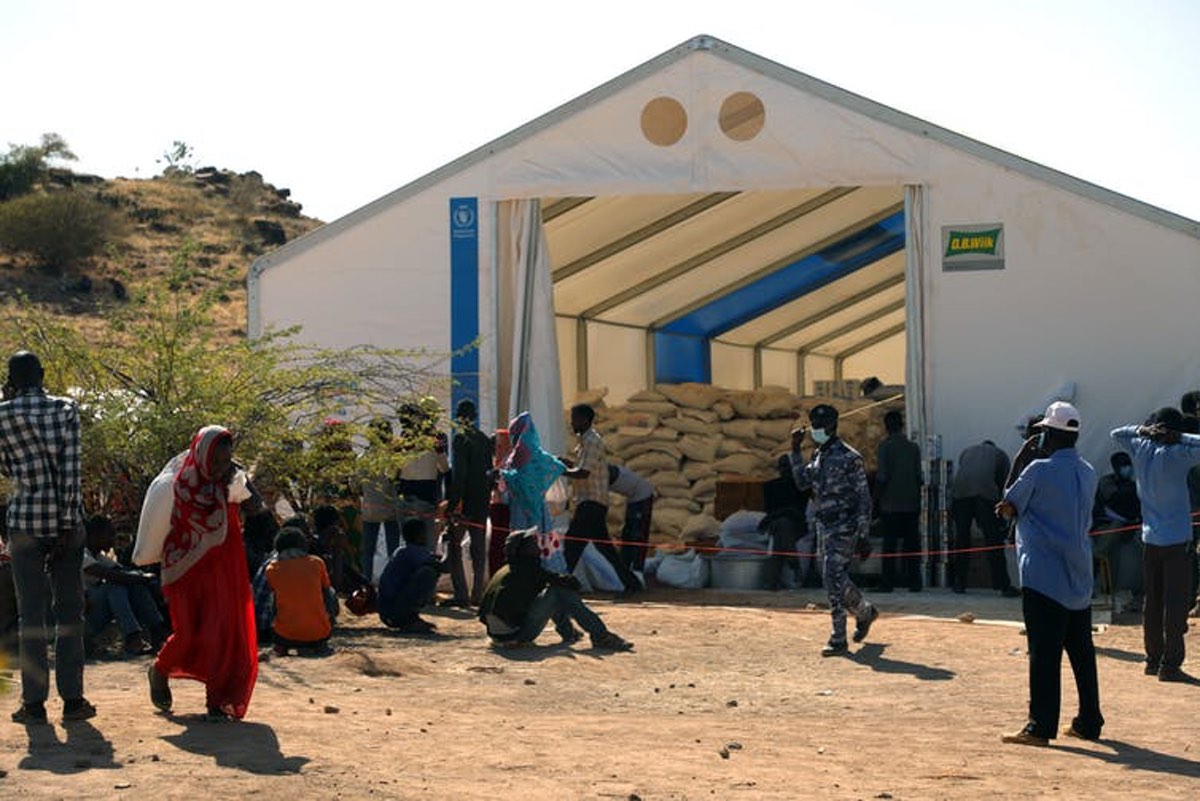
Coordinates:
(207, 587)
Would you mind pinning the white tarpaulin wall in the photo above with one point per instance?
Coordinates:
(1095, 288)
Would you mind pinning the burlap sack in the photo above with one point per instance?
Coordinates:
(700, 527)
(705, 489)
(665, 434)
(664, 502)
(702, 415)
(667, 520)
(740, 429)
(696, 470)
(646, 395)
(673, 492)
(688, 425)
(764, 403)
(694, 396)
(652, 462)
(742, 464)
(649, 445)
(777, 430)
(668, 478)
(724, 410)
(699, 449)
(729, 446)
(660, 408)
(593, 397)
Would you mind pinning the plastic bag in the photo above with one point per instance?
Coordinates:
(685, 570)
(595, 573)
(556, 497)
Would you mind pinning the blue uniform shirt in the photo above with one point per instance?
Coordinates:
(1053, 498)
(838, 481)
(1161, 472)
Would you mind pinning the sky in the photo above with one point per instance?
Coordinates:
(343, 102)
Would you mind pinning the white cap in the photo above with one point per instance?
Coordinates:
(1060, 415)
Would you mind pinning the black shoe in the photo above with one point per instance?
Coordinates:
(1010, 592)
(1175, 674)
(78, 709)
(28, 714)
(835, 648)
(1151, 668)
(571, 637)
(611, 642)
(863, 624)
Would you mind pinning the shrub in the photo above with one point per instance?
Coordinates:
(57, 229)
(23, 165)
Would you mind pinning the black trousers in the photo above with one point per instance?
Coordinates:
(901, 534)
(590, 524)
(982, 512)
(1050, 629)
(1164, 618)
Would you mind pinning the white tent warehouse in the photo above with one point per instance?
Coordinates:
(714, 216)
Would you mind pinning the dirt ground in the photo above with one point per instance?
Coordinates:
(725, 697)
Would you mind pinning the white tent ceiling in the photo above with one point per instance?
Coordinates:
(645, 261)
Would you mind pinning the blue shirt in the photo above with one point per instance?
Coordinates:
(403, 565)
(1161, 472)
(1053, 498)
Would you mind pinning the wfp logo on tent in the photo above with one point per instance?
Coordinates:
(463, 217)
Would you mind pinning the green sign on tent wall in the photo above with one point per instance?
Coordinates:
(973, 247)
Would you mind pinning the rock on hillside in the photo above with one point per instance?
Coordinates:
(216, 221)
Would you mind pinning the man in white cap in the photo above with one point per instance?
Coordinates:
(1052, 503)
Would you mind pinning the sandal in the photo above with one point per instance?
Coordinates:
(160, 689)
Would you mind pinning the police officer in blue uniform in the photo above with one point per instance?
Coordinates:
(838, 481)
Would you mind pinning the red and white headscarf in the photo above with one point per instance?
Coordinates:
(198, 519)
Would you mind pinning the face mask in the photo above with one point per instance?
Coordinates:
(1125, 471)
(819, 436)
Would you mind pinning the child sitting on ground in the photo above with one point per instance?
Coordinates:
(113, 591)
(305, 604)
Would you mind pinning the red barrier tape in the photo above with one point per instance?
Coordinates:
(456, 519)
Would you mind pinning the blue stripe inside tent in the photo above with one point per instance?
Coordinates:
(681, 351)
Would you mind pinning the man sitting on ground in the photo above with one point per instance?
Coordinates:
(409, 581)
(523, 596)
(305, 604)
(113, 591)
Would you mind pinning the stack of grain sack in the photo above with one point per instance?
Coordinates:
(684, 438)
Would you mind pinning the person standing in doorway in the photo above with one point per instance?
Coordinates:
(39, 451)
(978, 481)
(898, 485)
(1052, 503)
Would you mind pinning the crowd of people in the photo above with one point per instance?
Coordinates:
(230, 575)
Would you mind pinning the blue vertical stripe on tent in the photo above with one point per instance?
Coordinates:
(769, 292)
(464, 299)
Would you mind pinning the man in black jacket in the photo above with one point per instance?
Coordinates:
(523, 596)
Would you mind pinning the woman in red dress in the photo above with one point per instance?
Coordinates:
(207, 585)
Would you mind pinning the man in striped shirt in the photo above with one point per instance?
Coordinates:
(39, 451)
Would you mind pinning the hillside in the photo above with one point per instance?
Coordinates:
(218, 221)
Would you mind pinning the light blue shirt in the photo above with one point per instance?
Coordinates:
(1053, 498)
(1161, 473)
